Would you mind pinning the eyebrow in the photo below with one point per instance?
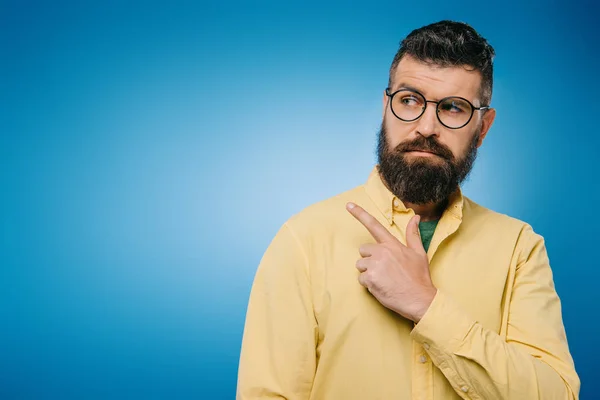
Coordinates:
(405, 86)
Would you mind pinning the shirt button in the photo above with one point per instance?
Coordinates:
(426, 346)
(423, 359)
(464, 389)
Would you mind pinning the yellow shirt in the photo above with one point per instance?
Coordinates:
(493, 331)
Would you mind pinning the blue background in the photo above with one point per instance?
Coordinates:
(149, 152)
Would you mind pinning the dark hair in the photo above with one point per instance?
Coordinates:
(450, 44)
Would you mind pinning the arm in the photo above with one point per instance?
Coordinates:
(531, 362)
(278, 357)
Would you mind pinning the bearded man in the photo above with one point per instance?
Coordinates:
(404, 288)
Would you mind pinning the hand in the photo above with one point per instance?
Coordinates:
(397, 275)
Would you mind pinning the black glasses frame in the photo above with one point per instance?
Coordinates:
(437, 105)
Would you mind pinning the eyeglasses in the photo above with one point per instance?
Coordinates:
(452, 112)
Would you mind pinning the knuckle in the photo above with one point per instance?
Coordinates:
(366, 277)
(386, 252)
(362, 279)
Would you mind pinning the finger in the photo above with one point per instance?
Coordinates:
(362, 264)
(413, 235)
(367, 250)
(363, 280)
(378, 231)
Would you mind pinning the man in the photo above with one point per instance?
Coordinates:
(403, 288)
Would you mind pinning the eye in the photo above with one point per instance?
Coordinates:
(454, 106)
(410, 100)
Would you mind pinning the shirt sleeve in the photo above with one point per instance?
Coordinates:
(532, 361)
(278, 355)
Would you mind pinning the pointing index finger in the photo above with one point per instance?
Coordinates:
(378, 231)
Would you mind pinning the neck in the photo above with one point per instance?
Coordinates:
(429, 211)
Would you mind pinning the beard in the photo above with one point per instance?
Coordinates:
(423, 180)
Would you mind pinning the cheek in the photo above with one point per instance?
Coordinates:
(397, 131)
(461, 143)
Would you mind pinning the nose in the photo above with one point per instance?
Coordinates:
(428, 123)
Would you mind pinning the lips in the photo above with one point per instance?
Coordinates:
(425, 145)
(423, 151)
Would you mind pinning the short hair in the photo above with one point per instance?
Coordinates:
(450, 44)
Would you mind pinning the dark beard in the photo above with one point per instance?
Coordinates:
(423, 180)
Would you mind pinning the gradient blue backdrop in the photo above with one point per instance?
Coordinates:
(149, 152)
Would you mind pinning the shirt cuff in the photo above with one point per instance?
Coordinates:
(443, 328)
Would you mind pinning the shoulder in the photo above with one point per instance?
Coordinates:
(495, 223)
(327, 216)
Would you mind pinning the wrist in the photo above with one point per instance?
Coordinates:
(425, 303)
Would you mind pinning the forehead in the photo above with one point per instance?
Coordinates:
(436, 82)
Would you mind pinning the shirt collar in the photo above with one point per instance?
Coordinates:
(389, 204)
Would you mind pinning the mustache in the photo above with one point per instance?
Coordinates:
(426, 144)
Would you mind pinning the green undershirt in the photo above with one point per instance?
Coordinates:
(427, 229)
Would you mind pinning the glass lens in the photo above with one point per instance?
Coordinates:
(408, 105)
(454, 112)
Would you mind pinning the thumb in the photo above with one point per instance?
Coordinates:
(413, 236)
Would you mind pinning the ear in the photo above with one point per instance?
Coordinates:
(486, 124)
(384, 101)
